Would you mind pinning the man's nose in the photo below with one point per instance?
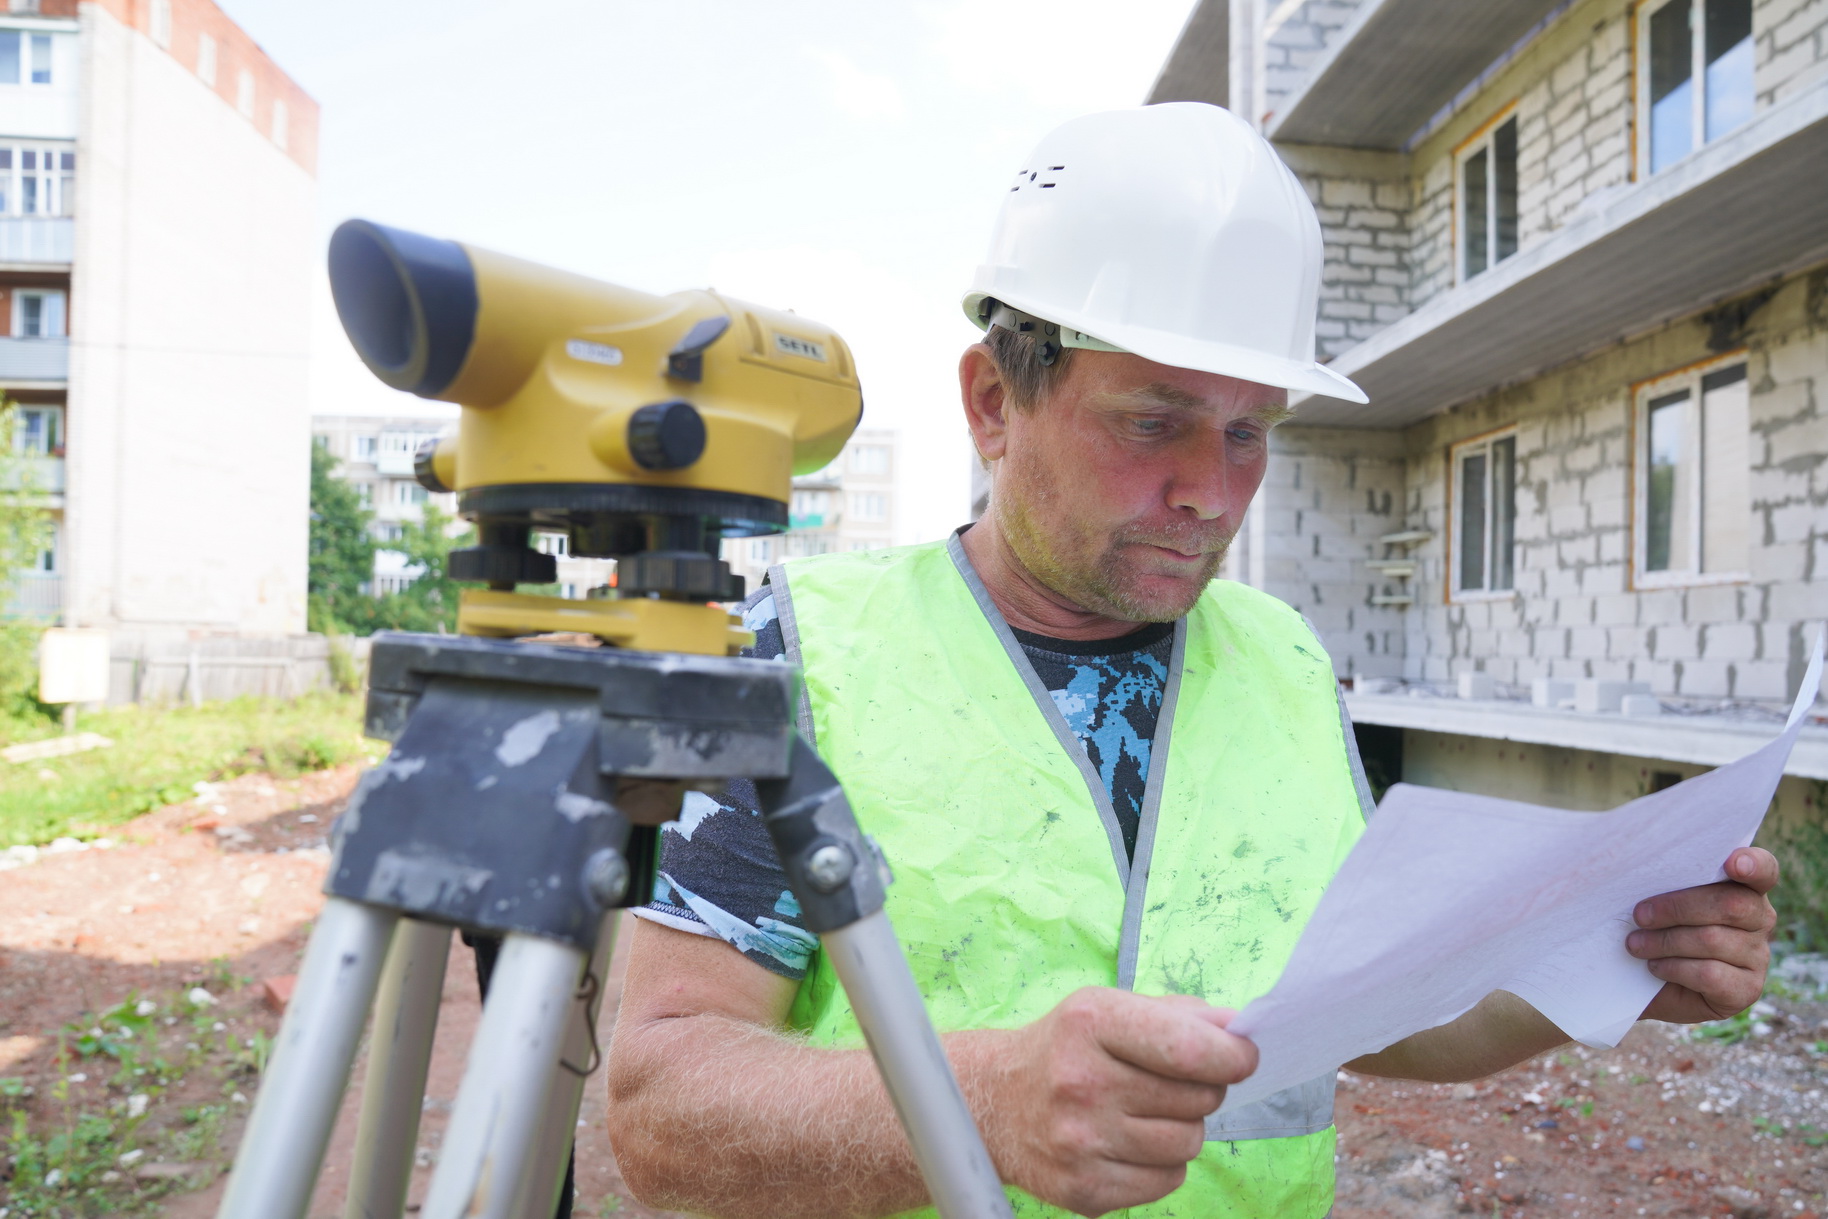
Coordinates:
(1203, 483)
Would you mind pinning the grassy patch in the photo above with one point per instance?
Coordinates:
(132, 1137)
(159, 753)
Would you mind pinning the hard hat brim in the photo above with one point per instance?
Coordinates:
(1202, 355)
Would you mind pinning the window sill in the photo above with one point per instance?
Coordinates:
(1474, 595)
(1655, 580)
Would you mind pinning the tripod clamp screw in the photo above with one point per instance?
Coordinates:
(830, 866)
(606, 876)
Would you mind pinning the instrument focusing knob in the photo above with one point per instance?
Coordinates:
(666, 435)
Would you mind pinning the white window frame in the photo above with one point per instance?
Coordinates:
(1697, 78)
(244, 93)
(55, 187)
(52, 313)
(1481, 142)
(54, 432)
(159, 23)
(1486, 442)
(206, 60)
(1643, 394)
(281, 130)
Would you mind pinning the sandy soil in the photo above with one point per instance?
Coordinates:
(221, 890)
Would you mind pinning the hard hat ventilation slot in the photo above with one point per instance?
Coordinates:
(1033, 177)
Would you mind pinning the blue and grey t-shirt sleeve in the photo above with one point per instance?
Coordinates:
(718, 872)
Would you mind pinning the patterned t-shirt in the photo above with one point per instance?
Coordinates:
(718, 871)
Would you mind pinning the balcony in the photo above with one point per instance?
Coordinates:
(1351, 96)
(36, 595)
(1735, 214)
(37, 242)
(44, 475)
(34, 363)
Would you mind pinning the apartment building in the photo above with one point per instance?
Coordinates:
(156, 242)
(849, 505)
(375, 456)
(1576, 547)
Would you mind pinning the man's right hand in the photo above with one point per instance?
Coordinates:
(1101, 1103)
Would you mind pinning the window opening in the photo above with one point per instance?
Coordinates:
(1485, 473)
(1488, 199)
(1695, 503)
(1698, 86)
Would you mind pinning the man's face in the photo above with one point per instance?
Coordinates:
(1122, 491)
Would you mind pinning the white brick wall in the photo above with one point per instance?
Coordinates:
(1792, 50)
(1575, 613)
(1293, 48)
(1363, 201)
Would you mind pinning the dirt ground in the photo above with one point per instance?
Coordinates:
(219, 892)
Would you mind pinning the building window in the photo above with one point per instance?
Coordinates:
(1694, 509)
(280, 121)
(37, 315)
(364, 448)
(406, 493)
(24, 58)
(364, 494)
(556, 544)
(1487, 181)
(206, 60)
(244, 93)
(1696, 83)
(869, 506)
(38, 431)
(160, 22)
(1485, 515)
(869, 459)
(37, 181)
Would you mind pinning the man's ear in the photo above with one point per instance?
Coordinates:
(984, 393)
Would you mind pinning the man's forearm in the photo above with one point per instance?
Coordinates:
(717, 1116)
(1501, 1031)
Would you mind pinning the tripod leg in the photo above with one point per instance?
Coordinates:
(868, 960)
(399, 1055)
(558, 1130)
(489, 1143)
(296, 1107)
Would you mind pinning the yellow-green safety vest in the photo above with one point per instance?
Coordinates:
(1012, 886)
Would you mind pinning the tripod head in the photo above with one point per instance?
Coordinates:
(645, 428)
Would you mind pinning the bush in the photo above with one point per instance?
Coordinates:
(1801, 898)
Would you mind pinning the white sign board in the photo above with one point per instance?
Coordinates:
(72, 666)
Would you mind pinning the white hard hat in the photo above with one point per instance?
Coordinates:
(1171, 231)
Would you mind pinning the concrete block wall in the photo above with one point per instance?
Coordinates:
(1294, 47)
(1327, 498)
(1571, 93)
(1363, 200)
(1575, 612)
(1791, 46)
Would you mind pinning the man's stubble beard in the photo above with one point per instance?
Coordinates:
(1106, 586)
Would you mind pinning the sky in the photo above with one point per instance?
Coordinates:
(844, 160)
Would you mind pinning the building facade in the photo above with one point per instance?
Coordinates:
(1576, 252)
(849, 505)
(156, 242)
(375, 456)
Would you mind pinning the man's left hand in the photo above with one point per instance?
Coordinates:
(1709, 944)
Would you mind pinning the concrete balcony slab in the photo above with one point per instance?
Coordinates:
(1351, 96)
(1737, 213)
(34, 363)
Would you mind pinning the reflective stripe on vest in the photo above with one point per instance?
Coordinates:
(1012, 885)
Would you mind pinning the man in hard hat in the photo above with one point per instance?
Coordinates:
(1112, 790)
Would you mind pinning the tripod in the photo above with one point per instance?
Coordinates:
(497, 812)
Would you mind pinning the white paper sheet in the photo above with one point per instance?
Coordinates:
(1449, 897)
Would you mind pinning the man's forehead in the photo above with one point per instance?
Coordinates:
(1260, 401)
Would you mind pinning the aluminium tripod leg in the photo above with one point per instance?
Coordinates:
(558, 1130)
(399, 1055)
(298, 1099)
(489, 1144)
(840, 882)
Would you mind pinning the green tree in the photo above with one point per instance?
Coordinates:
(429, 603)
(342, 552)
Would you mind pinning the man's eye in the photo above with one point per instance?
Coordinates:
(1149, 427)
(1246, 435)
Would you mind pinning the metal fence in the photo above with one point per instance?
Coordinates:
(206, 670)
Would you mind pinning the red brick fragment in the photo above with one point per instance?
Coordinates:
(277, 992)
